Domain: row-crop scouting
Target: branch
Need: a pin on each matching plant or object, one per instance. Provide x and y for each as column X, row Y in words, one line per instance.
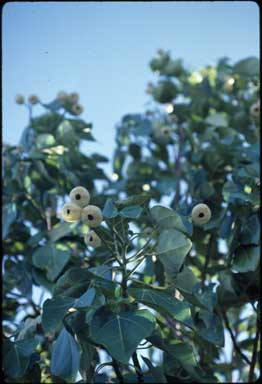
column 207, row 259
column 238, row 350
column 117, row 371
column 138, row 369
column 254, row 355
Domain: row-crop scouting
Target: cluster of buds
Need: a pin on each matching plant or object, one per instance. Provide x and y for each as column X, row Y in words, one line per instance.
column 162, row 134
column 201, row 214
column 70, row 102
column 32, row 99
column 79, row 209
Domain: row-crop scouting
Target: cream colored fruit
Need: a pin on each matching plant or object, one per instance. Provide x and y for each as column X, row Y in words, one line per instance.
column 92, row 216
column 19, row 99
column 71, row 212
column 201, row 214
column 80, row 196
column 33, row 99
column 92, row 239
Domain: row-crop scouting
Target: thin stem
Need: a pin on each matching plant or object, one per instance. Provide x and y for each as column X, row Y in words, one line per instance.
column 117, row 371
column 207, row 259
column 138, row 369
column 238, row 350
column 254, row 355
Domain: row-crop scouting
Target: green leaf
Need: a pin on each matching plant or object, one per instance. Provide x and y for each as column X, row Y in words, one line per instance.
column 8, row 217
column 65, row 357
column 205, row 296
column 185, row 281
column 45, row 140
column 217, row 120
column 251, row 231
column 167, row 218
column 209, row 327
column 110, row 209
column 60, row 230
column 172, row 248
column 52, row 258
column 247, row 67
column 246, row 259
column 54, row 311
column 17, row 356
column 183, row 353
column 86, row 299
column 131, row 212
column 163, row 302
column 76, row 281
column 121, row 333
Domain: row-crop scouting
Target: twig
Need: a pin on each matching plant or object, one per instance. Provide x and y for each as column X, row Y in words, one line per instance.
column 254, row 355
column 117, row 371
column 138, row 369
column 207, row 259
column 238, row 350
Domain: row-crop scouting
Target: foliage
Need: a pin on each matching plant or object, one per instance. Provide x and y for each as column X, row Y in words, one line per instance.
column 157, row 283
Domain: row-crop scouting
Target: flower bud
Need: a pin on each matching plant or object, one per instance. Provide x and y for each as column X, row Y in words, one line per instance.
column 92, row 216
column 33, row 99
column 77, row 109
column 74, row 97
column 19, row 99
column 162, row 135
column 80, row 196
column 92, row 239
column 71, row 212
column 201, row 214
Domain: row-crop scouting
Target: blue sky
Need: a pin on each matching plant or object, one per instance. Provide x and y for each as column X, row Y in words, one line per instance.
column 102, row 50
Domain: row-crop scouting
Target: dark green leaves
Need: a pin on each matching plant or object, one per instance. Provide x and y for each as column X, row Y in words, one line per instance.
column 53, row 312
column 121, row 333
column 167, row 218
column 163, row 302
column 52, row 258
column 210, row 327
column 65, row 357
column 131, row 212
column 248, row 67
column 246, row 259
column 8, row 217
column 17, row 356
column 110, row 210
column 172, row 248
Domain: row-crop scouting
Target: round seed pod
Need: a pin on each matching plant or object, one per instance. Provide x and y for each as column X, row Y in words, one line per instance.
column 162, row 135
column 19, row 99
column 255, row 109
column 33, row 99
column 80, row 196
column 71, row 212
column 77, row 109
column 92, row 239
column 74, row 97
column 201, row 214
column 92, row 216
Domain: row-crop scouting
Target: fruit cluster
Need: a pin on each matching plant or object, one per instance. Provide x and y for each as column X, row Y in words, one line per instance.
column 79, row 209
column 70, row 102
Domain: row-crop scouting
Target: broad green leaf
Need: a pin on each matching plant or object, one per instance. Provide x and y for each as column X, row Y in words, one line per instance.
column 45, row 140
column 121, row 333
column 65, row 357
column 172, row 248
column 8, row 217
column 17, row 356
column 247, row 67
column 110, row 210
column 131, row 212
column 76, row 281
column 205, row 296
column 28, row 328
column 185, row 280
column 217, row 120
column 86, row 299
column 251, row 231
column 209, row 327
column 52, row 258
column 163, row 302
column 167, row 218
column 246, row 259
column 60, row 230
column 132, row 200
column 183, row 353
column 54, row 311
